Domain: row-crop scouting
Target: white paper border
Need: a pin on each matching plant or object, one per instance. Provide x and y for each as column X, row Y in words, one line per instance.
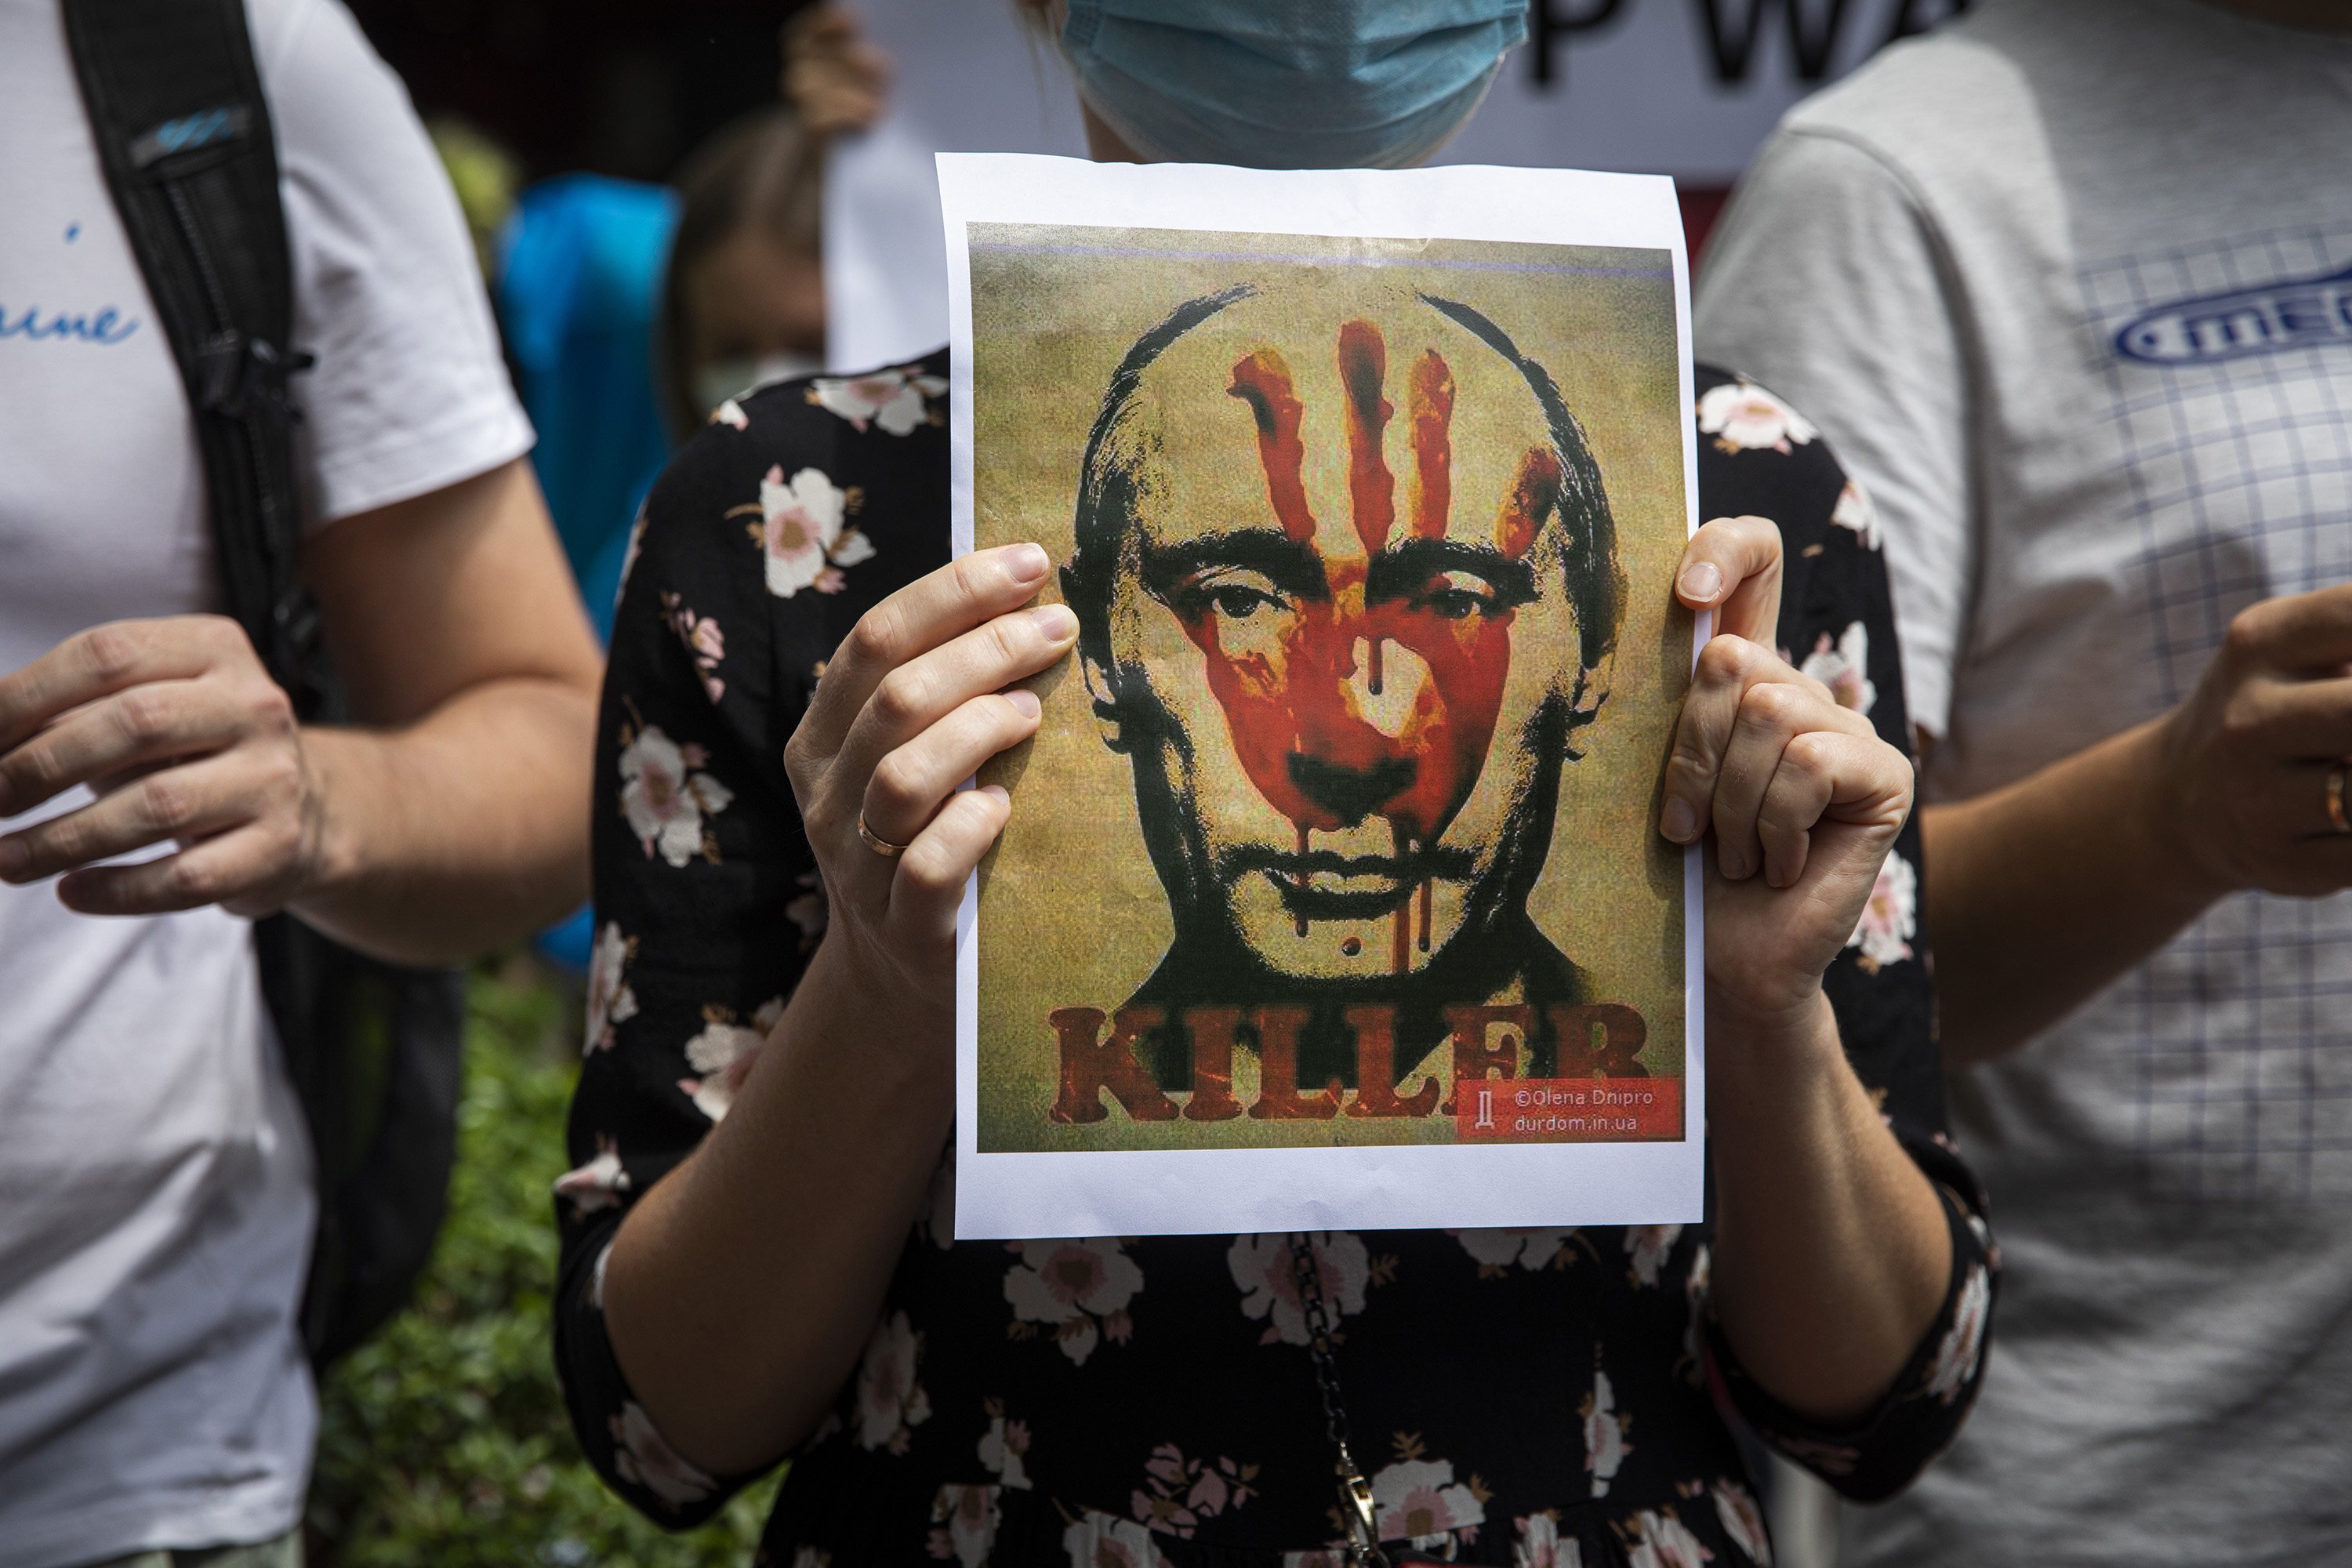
column 1384, row 1187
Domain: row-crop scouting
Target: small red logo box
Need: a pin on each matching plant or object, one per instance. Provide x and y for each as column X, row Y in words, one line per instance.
column 1568, row 1110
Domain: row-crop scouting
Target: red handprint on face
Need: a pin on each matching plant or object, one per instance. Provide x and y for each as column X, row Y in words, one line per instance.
column 1373, row 690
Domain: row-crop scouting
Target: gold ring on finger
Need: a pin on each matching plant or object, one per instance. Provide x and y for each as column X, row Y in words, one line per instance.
column 889, row 851
column 2336, row 797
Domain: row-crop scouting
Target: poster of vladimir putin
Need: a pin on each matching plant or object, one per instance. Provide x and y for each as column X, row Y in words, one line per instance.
column 1336, row 836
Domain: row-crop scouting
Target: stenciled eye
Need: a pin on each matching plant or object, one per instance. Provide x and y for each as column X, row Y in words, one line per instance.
column 1232, row 591
column 1458, row 596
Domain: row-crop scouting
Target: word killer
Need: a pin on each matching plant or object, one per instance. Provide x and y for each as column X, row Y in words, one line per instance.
column 1596, row 1040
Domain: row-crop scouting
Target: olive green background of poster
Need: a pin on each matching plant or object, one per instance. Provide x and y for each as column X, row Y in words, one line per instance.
column 1071, row 912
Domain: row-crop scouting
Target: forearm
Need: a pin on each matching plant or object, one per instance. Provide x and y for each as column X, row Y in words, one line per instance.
column 778, row 1237
column 462, row 830
column 2041, row 893
column 1832, row 1254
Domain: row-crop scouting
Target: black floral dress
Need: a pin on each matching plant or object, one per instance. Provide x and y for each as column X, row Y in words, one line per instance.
column 1527, row 1396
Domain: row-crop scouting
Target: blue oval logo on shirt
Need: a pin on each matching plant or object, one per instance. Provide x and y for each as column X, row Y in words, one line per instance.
column 2269, row 317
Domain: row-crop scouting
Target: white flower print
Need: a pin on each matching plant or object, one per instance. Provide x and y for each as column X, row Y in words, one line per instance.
column 1977, row 1226
column 939, row 1219
column 644, row 1457
column 964, row 1521
column 1098, row 1541
column 1845, row 668
column 723, row 1053
column 1963, row 1342
column 1419, row 1499
column 1855, row 511
column 1664, row 1542
column 893, row 399
column 812, row 1557
column 1606, row 1447
column 665, row 797
column 1178, row 1493
column 809, row 911
column 1891, row 918
column 890, row 1403
column 1531, row 1250
column 596, row 1278
column 1743, row 1521
column 1001, row 1449
column 1648, row 1247
column 730, row 413
column 629, row 552
column 598, row 1184
column 610, row 1000
column 1540, row 1545
column 1081, row 1287
column 801, row 530
column 850, row 549
column 1262, row 1267
column 705, row 642
column 1695, row 1289
column 1743, row 416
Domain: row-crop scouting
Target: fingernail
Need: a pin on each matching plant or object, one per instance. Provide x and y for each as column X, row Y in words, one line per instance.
column 1027, row 562
column 13, row 858
column 1701, row 580
column 1678, row 821
column 1055, row 623
column 1023, row 700
column 996, row 790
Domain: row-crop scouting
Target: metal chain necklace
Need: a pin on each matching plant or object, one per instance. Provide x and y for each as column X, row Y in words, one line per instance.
column 1355, row 1492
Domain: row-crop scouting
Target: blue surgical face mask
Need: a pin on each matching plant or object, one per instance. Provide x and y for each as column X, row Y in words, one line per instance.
column 1289, row 84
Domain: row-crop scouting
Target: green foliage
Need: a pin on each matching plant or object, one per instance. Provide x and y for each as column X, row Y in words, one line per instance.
column 444, row 1440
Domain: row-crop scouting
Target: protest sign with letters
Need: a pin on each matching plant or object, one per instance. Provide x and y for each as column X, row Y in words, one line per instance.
column 1331, row 894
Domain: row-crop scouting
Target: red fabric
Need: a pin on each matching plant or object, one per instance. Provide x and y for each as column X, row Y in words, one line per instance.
column 1702, row 204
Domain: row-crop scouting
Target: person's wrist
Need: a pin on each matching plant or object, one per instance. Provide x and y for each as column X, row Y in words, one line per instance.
column 864, row 986
column 2157, row 809
column 330, row 859
column 1748, row 1035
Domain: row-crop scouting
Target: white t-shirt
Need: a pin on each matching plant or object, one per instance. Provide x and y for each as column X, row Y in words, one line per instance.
column 154, row 1204
column 2066, row 285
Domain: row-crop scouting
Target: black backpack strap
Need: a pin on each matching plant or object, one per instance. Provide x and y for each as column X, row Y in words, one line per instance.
column 183, row 131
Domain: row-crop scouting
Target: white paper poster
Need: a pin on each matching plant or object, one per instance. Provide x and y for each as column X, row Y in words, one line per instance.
column 1331, row 896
